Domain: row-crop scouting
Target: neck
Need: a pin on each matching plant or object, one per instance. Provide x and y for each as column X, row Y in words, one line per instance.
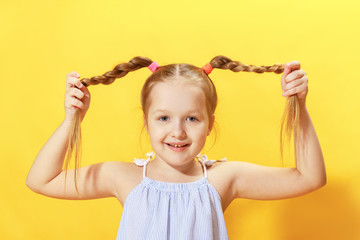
column 188, row 169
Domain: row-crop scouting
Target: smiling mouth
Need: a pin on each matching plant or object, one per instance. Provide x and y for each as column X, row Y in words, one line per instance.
column 176, row 145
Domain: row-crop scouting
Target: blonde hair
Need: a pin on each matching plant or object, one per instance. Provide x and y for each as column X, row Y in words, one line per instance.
column 189, row 73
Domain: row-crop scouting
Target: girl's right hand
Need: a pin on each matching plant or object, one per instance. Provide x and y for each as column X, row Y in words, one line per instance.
column 77, row 96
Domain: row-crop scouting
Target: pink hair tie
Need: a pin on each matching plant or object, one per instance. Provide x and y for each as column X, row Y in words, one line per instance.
column 207, row 68
column 153, row 66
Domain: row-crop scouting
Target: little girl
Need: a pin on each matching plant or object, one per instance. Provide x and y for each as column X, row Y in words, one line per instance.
column 176, row 193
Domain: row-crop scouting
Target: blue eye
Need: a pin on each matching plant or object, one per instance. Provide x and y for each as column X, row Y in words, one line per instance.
column 192, row 119
column 164, row 118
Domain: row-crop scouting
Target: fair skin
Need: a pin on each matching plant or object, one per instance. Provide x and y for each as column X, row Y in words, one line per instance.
column 231, row 179
column 177, row 115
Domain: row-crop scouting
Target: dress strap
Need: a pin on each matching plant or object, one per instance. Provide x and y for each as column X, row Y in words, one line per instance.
column 144, row 170
column 143, row 162
column 204, row 166
column 206, row 162
column 203, row 159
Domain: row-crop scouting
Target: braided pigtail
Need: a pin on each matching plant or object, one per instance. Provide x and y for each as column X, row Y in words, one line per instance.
column 223, row 62
column 120, row 70
column 291, row 112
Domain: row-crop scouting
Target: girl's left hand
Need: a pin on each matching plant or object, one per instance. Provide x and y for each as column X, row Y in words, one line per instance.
column 294, row 81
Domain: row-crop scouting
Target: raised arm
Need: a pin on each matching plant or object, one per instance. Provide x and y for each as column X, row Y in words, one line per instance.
column 46, row 175
column 267, row 183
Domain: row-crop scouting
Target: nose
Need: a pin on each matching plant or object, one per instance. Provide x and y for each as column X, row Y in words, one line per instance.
column 178, row 130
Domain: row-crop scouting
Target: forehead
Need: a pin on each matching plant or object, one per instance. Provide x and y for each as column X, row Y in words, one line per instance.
column 177, row 97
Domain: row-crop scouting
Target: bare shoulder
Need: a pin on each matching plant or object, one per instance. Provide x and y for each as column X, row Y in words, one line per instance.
column 221, row 177
column 222, row 171
column 229, row 170
column 127, row 176
column 128, row 172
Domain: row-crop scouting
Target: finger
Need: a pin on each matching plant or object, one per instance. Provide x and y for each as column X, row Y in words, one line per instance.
column 295, row 90
column 295, row 74
column 85, row 90
column 73, row 82
column 74, row 92
column 75, row 103
column 287, row 70
column 294, row 65
column 73, row 74
column 293, row 84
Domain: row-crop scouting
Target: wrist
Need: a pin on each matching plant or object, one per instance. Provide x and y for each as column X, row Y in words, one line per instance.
column 67, row 121
column 302, row 102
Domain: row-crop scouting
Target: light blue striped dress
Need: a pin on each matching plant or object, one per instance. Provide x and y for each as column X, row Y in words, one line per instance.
column 156, row 210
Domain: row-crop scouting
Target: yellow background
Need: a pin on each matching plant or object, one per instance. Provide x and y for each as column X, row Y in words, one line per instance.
column 42, row 41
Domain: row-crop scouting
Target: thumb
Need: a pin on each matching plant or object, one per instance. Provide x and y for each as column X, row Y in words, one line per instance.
column 287, row 71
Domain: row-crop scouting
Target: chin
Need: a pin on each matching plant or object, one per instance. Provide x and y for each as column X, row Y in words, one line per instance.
column 176, row 155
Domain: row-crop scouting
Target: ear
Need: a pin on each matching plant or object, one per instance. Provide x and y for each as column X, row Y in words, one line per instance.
column 211, row 124
column 145, row 123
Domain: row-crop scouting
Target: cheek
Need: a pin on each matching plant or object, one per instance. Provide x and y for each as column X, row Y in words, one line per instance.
column 200, row 133
column 156, row 133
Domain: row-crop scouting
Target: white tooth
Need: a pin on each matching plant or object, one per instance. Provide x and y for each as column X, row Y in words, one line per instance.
column 175, row 145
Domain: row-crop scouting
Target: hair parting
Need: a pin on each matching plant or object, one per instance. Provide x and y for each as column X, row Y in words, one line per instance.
column 191, row 74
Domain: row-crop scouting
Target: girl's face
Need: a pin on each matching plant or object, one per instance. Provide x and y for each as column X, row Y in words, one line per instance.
column 177, row 122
